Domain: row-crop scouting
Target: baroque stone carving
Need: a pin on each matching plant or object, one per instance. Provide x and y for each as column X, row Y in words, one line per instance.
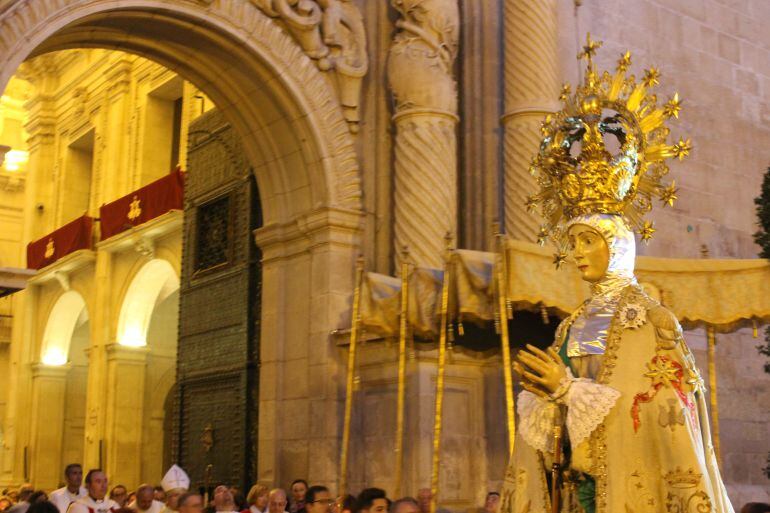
column 331, row 32
column 420, row 73
column 531, row 74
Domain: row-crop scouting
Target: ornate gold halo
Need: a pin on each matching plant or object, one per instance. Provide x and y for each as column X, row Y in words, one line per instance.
column 579, row 174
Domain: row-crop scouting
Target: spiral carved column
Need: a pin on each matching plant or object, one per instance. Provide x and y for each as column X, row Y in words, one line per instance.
column 531, row 74
column 420, row 76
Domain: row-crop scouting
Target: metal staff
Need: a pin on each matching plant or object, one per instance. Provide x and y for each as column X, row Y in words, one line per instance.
column 402, row 334
column 557, row 463
column 505, row 346
column 351, row 371
column 440, row 384
column 712, row 345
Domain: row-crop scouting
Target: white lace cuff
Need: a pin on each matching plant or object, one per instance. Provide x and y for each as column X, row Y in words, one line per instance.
column 588, row 403
column 536, row 417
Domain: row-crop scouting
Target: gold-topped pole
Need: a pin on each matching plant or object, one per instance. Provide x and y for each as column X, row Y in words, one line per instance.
column 712, row 344
column 351, row 372
column 442, row 342
column 504, row 342
column 402, row 334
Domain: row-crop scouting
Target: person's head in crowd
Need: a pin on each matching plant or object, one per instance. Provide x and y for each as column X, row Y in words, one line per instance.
column 492, row 502
column 298, row 490
column 131, row 498
column 756, row 507
column 145, row 494
column 276, row 500
column 13, row 496
column 96, row 483
column 73, row 477
column 372, row 500
column 240, row 499
column 318, row 500
column 346, row 504
column 190, row 502
column 119, row 494
column 38, row 496
column 223, row 498
column 25, row 491
column 257, row 497
column 172, row 498
column 424, row 496
column 42, row 506
column 405, row 505
column 160, row 494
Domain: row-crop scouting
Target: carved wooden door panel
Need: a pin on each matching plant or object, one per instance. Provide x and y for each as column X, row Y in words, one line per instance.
column 215, row 433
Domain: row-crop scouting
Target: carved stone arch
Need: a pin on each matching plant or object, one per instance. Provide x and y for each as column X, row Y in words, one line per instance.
column 278, row 100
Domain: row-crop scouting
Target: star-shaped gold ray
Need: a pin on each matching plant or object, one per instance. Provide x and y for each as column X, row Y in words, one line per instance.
column 661, row 372
column 542, row 236
column 647, row 231
column 566, row 89
column 672, row 108
column 682, row 148
column 624, row 62
column 651, row 77
column 559, row 259
column 531, row 203
column 668, row 194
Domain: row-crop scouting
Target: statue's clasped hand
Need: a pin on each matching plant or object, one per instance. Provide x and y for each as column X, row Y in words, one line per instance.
column 543, row 372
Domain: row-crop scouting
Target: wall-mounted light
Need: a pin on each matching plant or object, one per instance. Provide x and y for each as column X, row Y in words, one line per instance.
column 16, row 159
column 54, row 357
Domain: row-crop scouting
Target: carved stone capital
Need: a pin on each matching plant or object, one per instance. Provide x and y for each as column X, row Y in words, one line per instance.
column 331, row 32
column 422, row 55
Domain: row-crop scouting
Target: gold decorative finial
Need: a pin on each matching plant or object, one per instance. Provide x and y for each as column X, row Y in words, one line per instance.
column 589, row 50
column 595, row 179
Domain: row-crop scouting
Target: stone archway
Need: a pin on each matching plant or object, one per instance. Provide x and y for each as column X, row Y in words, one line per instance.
column 58, row 390
column 294, row 128
column 285, row 110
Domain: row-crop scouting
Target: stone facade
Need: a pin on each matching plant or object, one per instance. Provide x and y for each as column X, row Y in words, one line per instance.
column 369, row 126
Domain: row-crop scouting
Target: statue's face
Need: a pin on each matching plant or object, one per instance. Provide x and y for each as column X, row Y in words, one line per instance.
column 590, row 252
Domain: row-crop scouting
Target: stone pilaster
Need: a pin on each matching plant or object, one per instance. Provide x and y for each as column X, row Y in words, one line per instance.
column 93, row 454
column 125, row 413
column 49, row 386
column 531, row 74
column 425, row 92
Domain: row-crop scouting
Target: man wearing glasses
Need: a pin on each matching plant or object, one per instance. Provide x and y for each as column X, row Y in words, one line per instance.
column 318, row 499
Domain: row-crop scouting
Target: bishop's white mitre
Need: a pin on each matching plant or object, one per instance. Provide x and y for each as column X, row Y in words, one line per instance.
column 175, row 478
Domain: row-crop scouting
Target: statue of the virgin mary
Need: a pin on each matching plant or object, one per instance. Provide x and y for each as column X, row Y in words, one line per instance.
column 619, row 383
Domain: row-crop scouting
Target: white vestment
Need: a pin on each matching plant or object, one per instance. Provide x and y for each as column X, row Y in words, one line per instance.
column 62, row 497
column 88, row 504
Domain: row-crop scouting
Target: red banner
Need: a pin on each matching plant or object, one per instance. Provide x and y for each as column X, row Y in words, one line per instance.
column 143, row 204
column 67, row 239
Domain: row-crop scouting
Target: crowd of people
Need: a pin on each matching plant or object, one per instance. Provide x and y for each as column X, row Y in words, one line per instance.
column 174, row 496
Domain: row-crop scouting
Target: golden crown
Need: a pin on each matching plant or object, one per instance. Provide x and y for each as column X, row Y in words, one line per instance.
column 578, row 170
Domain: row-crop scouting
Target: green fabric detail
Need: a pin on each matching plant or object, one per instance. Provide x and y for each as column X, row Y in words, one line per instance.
column 563, row 353
column 586, row 493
